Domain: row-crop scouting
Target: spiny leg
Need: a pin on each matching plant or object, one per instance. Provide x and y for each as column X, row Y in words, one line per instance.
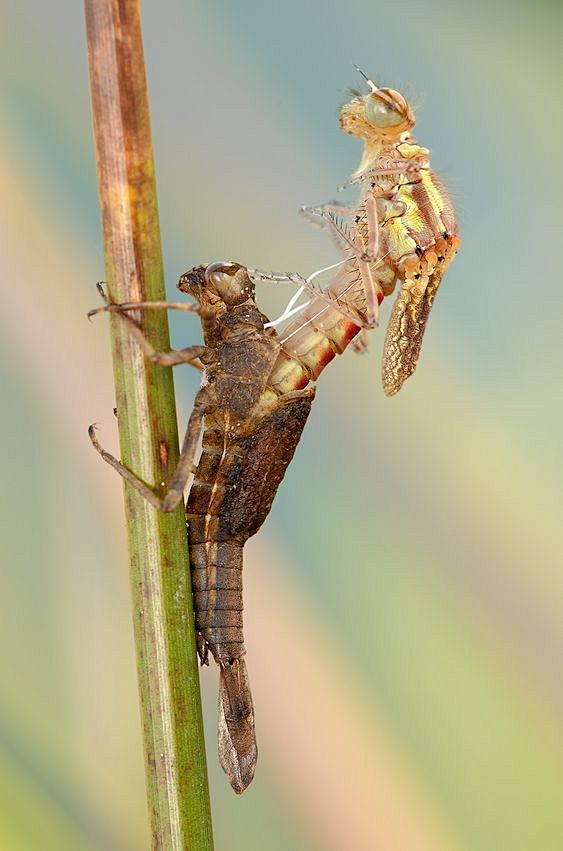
column 311, row 213
column 372, row 303
column 114, row 307
column 365, row 256
column 372, row 246
column 367, row 253
column 316, row 216
column 174, row 494
column 392, row 168
column 360, row 343
column 190, row 354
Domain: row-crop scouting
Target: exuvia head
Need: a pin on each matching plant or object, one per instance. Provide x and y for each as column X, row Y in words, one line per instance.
column 193, row 281
column 382, row 114
column 222, row 280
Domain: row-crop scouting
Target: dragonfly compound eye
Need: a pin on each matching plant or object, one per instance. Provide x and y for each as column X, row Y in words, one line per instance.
column 381, row 111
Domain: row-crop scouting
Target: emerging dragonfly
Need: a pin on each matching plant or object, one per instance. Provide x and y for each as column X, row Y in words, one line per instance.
column 254, row 400
column 253, row 404
column 402, row 229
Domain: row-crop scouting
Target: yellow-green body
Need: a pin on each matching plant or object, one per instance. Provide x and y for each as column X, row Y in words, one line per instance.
column 417, row 239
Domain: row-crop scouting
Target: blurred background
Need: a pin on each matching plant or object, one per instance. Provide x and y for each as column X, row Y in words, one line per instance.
column 404, row 601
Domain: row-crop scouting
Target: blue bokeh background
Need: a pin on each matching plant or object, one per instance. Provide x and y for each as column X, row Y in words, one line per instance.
column 405, row 598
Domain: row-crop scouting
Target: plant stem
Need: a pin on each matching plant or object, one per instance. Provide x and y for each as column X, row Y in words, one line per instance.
column 178, row 794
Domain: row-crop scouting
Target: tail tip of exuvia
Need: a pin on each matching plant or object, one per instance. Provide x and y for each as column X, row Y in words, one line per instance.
column 236, row 739
column 241, row 779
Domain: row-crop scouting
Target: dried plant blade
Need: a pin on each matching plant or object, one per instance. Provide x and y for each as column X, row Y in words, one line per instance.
column 178, row 795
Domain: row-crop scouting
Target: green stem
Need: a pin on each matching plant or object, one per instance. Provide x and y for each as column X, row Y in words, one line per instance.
column 178, row 794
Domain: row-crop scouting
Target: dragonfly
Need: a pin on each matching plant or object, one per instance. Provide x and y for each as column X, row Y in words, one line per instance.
column 402, row 229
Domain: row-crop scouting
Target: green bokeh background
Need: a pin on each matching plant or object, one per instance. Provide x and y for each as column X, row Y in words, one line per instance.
column 405, row 598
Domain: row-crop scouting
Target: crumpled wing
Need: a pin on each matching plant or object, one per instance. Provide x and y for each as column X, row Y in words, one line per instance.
column 406, row 327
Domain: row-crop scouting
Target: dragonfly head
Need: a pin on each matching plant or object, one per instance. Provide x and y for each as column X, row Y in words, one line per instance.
column 382, row 115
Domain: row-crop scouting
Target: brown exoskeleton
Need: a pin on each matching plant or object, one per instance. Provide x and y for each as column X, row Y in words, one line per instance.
column 250, row 432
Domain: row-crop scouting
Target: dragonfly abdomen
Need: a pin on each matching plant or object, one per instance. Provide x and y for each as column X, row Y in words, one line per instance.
column 310, row 343
column 216, row 570
column 215, row 555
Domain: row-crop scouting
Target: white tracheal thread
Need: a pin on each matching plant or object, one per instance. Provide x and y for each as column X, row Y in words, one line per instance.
column 288, row 312
column 327, row 306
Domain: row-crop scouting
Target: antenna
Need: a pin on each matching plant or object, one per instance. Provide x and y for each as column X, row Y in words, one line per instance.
column 370, row 83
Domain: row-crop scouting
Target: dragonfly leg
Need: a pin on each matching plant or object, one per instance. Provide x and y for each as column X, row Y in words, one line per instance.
column 126, row 306
column 370, row 252
column 365, row 256
column 390, row 168
column 360, row 343
column 316, row 215
column 184, row 468
column 319, row 216
column 305, row 393
column 366, row 252
column 370, row 289
column 113, row 307
column 275, row 277
column 190, row 354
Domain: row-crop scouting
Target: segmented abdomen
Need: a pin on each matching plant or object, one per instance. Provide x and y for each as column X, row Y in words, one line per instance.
column 234, row 487
column 215, row 556
column 310, row 343
column 216, row 570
